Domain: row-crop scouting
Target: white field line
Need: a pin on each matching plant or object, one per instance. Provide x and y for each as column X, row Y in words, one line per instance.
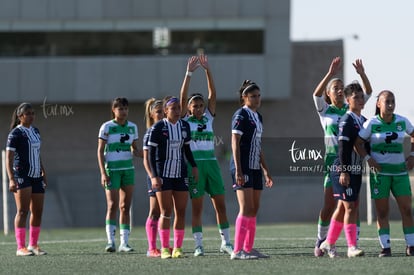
column 191, row 239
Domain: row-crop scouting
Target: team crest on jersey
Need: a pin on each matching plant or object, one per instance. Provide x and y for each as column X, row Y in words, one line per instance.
column 399, row 127
column 184, row 133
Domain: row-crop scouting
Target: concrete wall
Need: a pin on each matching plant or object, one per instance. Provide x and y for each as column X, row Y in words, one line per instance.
column 96, row 79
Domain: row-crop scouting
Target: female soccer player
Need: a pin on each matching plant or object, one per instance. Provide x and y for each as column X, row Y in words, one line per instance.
column 247, row 164
column 329, row 102
column 210, row 180
column 27, row 178
column 385, row 133
column 117, row 144
column 153, row 113
column 169, row 142
column 346, row 176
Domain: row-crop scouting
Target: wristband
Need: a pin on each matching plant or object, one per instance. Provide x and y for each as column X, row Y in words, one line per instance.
column 367, row 157
column 188, row 73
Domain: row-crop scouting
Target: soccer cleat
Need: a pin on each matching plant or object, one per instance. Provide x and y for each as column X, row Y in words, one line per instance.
column 329, row 249
column 409, row 251
column 24, row 252
column 226, row 248
column 255, row 252
column 110, row 247
column 242, row 255
column 354, row 251
column 318, row 252
column 177, row 253
column 165, row 253
column 36, row 250
column 199, row 251
column 125, row 248
column 385, row 252
column 154, row 253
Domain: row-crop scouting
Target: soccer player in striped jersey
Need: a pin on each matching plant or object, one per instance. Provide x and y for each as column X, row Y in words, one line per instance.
column 210, row 180
column 117, row 144
column 330, row 105
column 346, row 176
column 169, row 146
column 386, row 132
column 153, row 113
column 248, row 168
column 27, row 178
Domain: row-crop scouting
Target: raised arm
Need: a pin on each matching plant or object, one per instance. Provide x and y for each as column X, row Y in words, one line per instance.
column 192, row 65
column 211, row 88
column 333, row 70
column 361, row 71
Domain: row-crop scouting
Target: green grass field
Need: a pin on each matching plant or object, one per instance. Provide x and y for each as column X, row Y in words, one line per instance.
column 81, row 251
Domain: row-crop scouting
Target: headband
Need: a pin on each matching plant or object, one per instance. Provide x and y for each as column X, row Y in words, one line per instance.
column 154, row 104
column 171, row 101
column 195, row 97
column 248, row 88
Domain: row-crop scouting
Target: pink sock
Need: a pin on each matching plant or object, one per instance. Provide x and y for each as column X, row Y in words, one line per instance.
column 20, row 233
column 251, row 233
column 351, row 234
column 240, row 229
column 178, row 238
column 151, row 227
column 335, row 229
column 34, row 233
column 164, row 237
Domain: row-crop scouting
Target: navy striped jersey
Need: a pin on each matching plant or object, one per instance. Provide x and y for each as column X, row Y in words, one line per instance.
column 349, row 127
column 169, row 139
column 249, row 125
column 25, row 143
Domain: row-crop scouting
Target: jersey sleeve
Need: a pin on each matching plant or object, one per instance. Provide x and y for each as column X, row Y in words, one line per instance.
column 11, row 144
column 409, row 129
column 320, row 104
column 136, row 135
column 365, row 131
column 103, row 132
column 187, row 138
column 237, row 122
column 145, row 145
column 154, row 136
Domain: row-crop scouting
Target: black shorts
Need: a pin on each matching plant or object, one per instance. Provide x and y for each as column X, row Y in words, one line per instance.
column 37, row 184
column 253, row 179
column 175, row 184
column 350, row 193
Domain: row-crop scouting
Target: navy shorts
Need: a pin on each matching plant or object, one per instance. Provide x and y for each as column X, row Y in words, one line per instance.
column 175, row 184
column 350, row 193
column 151, row 192
column 37, row 184
column 253, row 179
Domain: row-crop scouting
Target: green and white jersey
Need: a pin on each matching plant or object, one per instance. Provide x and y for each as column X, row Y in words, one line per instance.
column 202, row 136
column 329, row 116
column 387, row 142
column 119, row 139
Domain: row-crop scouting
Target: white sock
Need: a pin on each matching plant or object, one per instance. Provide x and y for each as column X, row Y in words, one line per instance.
column 384, row 240
column 198, row 238
column 322, row 231
column 124, row 236
column 110, row 232
column 225, row 235
column 409, row 239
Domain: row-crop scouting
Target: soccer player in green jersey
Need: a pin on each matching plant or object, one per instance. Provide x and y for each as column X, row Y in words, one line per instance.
column 330, row 105
column 200, row 118
column 386, row 133
column 117, row 144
